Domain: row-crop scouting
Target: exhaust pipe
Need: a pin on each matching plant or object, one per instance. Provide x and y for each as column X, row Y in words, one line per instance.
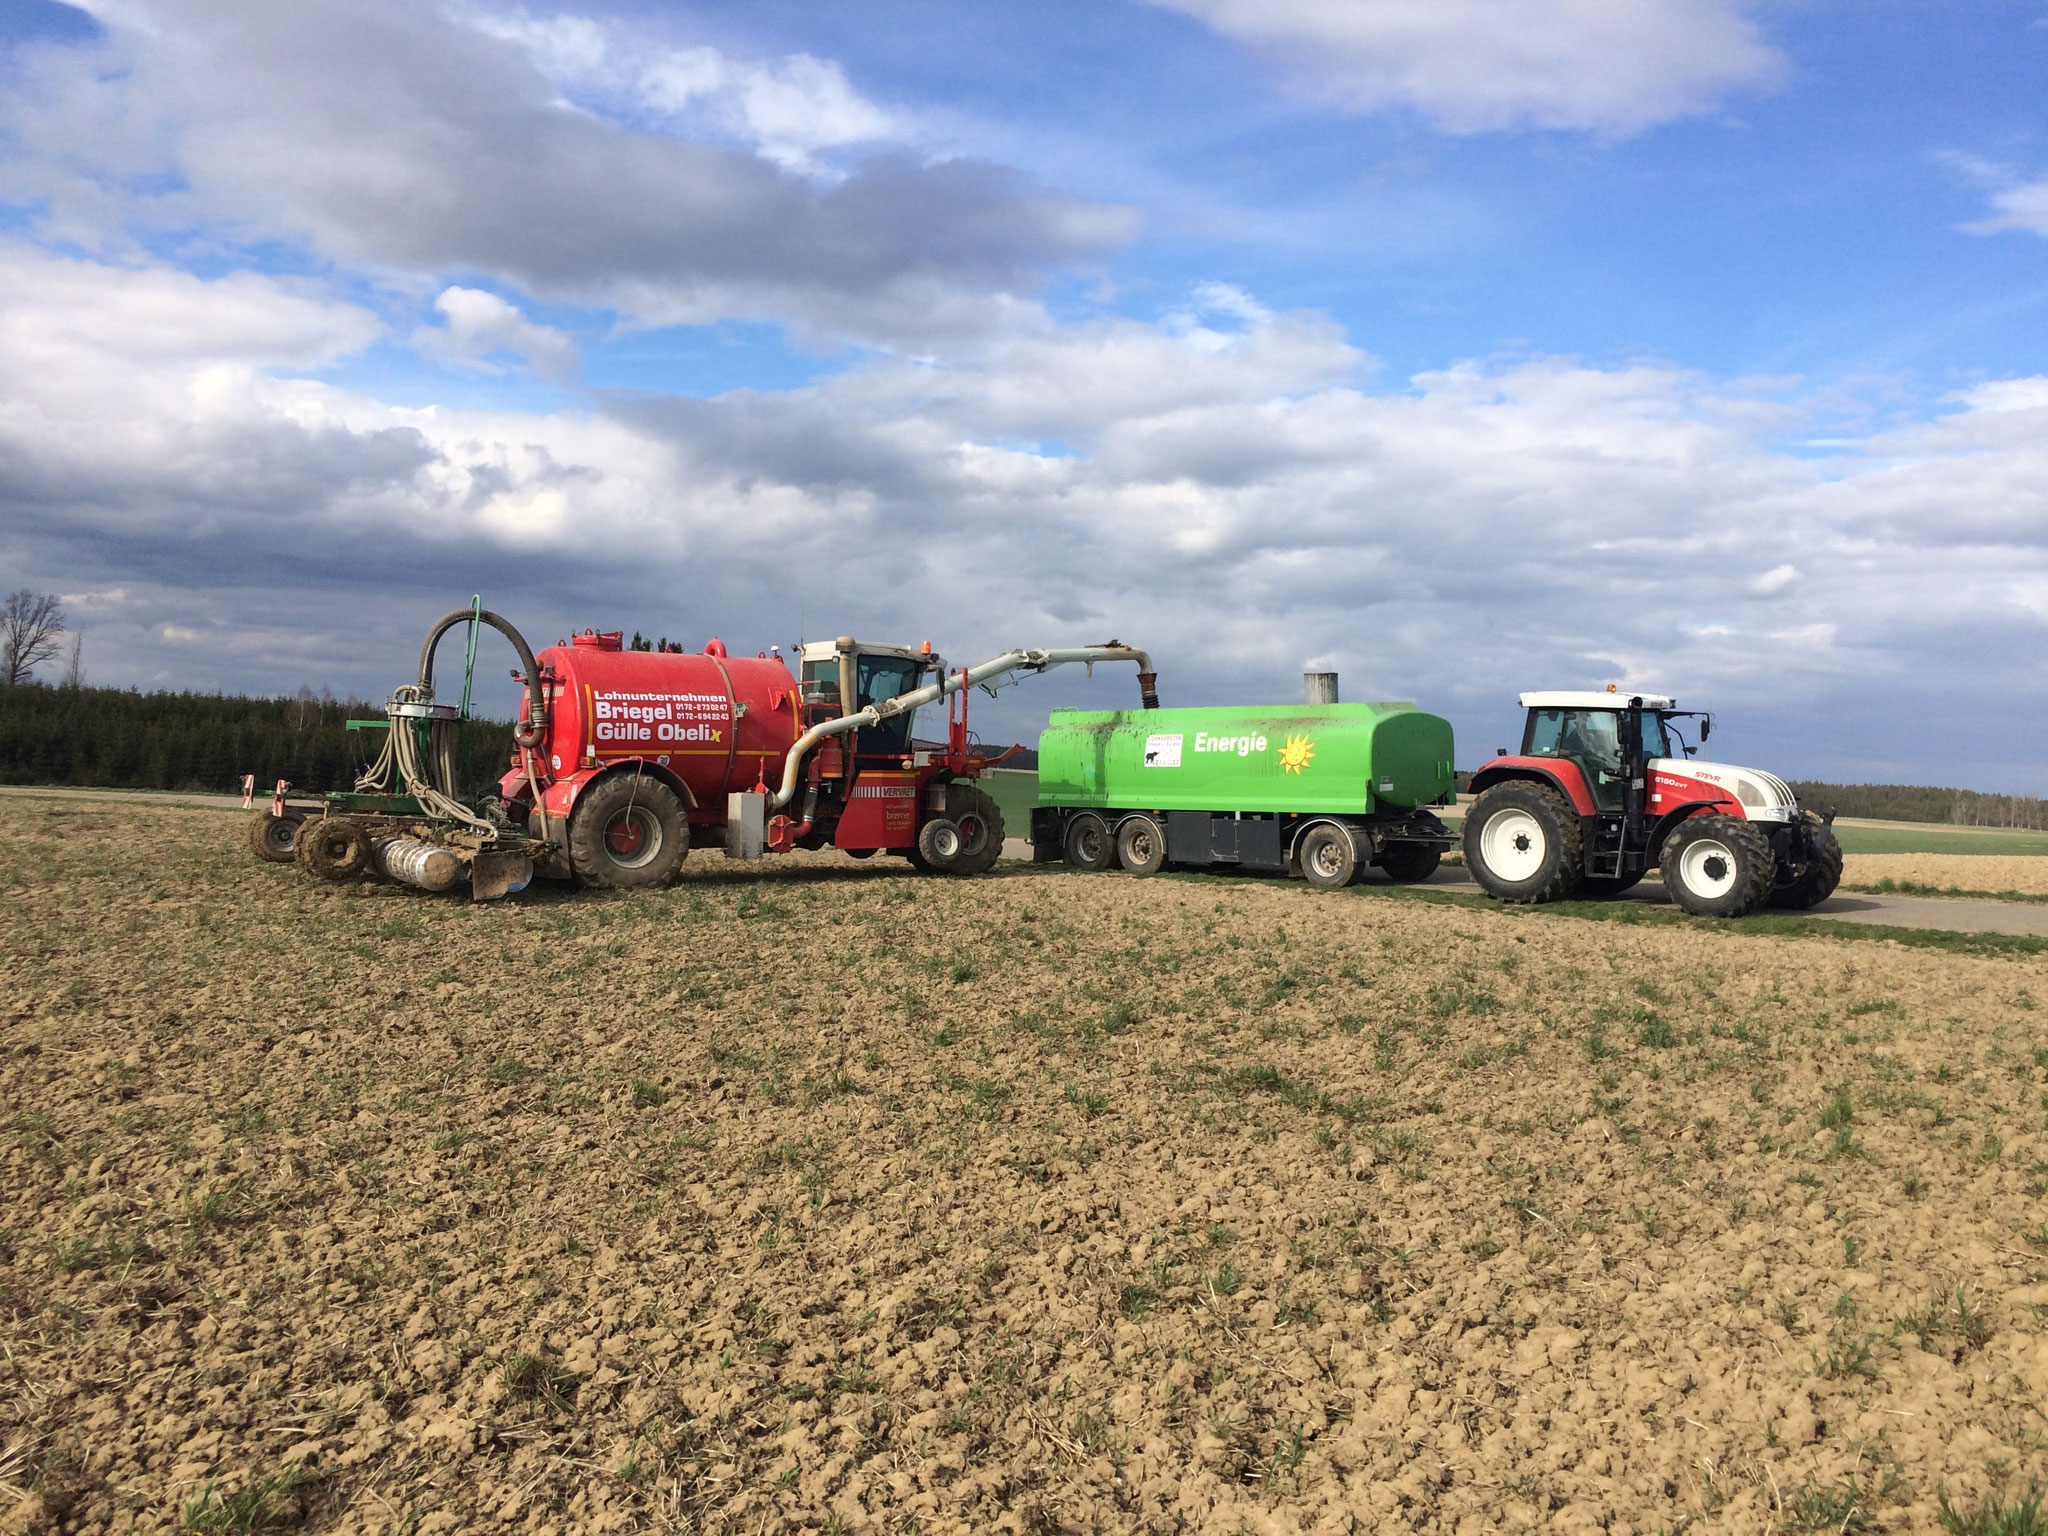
column 1318, row 687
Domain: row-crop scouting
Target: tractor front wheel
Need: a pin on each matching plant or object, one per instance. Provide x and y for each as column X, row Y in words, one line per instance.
column 1718, row 866
column 1088, row 844
column 1811, row 881
column 1522, row 843
column 628, row 832
column 1141, row 846
column 271, row 838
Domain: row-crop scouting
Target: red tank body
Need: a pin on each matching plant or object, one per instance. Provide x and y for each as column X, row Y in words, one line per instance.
column 712, row 723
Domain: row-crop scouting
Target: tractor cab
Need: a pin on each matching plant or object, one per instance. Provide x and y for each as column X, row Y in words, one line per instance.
column 1589, row 730
column 847, row 674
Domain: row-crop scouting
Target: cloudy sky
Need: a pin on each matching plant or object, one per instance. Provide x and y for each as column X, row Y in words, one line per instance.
column 1458, row 346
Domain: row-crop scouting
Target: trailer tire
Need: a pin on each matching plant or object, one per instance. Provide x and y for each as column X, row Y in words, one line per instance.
column 272, row 838
column 1798, row 886
column 628, row 832
column 1410, row 865
column 334, row 848
column 1141, row 846
column 1523, row 843
column 1718, row 866
column 1329, row 861
column 980, row 821
column 1088, row 844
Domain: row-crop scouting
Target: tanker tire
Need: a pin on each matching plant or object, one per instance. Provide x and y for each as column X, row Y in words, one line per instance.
column 940, row 847
column 628, row 832
column 1535, row 838
column 1798, row 887
column 1718, row 866
column 1141, row 846
column 334, row 848
column 981, row 827
column 1605, row 887
column 1410, row 866
column 1088, row 844
column 272, row 838
column 1329, row 862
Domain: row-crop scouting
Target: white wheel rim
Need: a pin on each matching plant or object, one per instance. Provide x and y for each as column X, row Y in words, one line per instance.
column 1707, row 867
column 1327, row 858
column 1142, row 846
column 946, row 843
column 1514, row 845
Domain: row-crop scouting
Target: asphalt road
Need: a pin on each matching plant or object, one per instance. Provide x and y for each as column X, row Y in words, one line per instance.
column 1953, row 914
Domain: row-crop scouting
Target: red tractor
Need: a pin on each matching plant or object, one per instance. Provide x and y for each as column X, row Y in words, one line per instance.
column 1604, row 789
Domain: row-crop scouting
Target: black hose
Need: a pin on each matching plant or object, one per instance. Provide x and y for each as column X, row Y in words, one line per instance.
column 536, row 699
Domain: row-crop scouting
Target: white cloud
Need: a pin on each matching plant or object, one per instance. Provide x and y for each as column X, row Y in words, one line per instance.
column 401, row 140
column 1774, row 581
column 1612, row 67
column 1238, row 509
column 481, row 326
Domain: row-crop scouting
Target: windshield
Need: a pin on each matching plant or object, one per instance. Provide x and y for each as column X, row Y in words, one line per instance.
column 1593, row 735
column 1655, row 743
column 879, row 678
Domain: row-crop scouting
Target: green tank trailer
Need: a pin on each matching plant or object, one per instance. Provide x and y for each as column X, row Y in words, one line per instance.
column 1325, row 790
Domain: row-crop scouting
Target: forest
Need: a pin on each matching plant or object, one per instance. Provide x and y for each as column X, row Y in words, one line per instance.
column 111, row 738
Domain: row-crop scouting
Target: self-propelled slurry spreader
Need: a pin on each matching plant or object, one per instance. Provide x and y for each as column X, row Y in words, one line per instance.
column 625, row 759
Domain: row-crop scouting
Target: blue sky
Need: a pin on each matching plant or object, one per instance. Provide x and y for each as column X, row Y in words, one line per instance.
column 1462, row 346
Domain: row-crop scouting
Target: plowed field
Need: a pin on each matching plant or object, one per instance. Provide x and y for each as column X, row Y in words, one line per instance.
column 815, row 1195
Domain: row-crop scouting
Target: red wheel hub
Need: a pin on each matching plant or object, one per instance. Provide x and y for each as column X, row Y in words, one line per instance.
column 625, row 836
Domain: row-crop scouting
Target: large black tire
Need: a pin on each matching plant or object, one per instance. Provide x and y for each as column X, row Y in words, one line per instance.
column 272, row 838
column 980, row 821
column 1523, row 843
column 628, row 832
column 1329, row 859
column 1605, row 887
column 1088, row 844
column 1141, row 846
column 334, row 848
column 1718, row 866
column 1409, row 864
column 1811, row 881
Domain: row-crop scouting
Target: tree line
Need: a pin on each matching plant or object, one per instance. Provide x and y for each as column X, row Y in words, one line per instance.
column 1922, row 802
column 111, row 738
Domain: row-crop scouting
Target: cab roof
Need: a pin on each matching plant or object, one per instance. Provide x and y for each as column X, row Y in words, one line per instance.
column 1588, row 699
column 828, row 650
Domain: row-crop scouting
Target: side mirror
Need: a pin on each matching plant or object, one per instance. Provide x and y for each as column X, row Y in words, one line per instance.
column 1706, row 726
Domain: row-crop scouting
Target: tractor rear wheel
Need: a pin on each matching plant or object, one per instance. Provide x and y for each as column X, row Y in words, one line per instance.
column 1141, row 846
column 334, row 848
column 628, row 832
column 1523, row 842
column 1406, row 864
column 1329, row 859
column 980, row 821
column 1812, row 881
column 1088, row 844
column 1718, row 866
column 271, row 837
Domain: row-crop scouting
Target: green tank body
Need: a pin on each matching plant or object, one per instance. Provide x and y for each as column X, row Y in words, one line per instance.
column 1291, row 760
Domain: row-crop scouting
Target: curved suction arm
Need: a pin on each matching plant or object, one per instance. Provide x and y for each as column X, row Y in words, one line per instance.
column 903, row 703
column 535, row 729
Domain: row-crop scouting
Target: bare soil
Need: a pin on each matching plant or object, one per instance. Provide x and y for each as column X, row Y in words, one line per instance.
column 816, row 1195
column 1992, row 874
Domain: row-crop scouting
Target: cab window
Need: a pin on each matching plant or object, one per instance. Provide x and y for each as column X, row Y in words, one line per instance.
column 1654, row 742
column 879, row 678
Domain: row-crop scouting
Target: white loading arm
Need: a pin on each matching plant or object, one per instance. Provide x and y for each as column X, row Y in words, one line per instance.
column 931, row 693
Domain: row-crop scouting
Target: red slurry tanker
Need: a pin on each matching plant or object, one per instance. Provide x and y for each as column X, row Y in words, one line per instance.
column 626, row 759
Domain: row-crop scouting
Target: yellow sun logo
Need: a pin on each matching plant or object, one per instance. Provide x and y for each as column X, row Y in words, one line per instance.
column 1294, row 756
